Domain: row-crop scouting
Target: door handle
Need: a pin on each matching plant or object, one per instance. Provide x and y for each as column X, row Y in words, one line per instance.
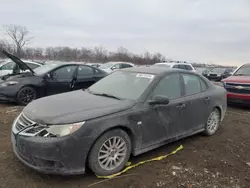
column 207, row 99
column 182, row 105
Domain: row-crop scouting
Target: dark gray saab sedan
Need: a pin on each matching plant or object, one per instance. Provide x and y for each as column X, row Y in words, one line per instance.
column 131, row 111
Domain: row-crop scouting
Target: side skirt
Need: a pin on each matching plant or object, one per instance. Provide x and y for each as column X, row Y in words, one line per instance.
column 154, row 146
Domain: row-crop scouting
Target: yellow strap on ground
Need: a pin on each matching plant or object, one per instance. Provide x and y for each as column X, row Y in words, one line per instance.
column 129, row 165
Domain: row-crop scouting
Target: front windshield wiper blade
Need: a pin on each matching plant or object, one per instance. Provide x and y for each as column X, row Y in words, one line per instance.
column 106, row 95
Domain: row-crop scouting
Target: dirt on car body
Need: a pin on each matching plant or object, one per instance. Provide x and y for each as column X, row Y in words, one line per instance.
column 222, row 160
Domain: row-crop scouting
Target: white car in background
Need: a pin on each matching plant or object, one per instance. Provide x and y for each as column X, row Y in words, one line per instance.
column 7, row 67
column 185, row 66
column 112, row 66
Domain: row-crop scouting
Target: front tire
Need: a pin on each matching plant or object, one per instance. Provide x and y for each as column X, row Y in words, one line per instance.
column 213, row 122
column 110, row 153
column 26, row 95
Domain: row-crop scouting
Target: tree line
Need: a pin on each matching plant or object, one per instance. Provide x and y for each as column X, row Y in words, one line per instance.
column 17, row 38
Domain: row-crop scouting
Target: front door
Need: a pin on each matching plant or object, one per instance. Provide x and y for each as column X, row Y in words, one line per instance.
column 163, row 122
column 60, row 80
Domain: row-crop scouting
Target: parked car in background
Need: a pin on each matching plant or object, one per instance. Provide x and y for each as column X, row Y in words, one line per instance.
column 52, row 78
column 219, row 73
column 8, row 67
column 131, row 111
column 238, row 85
column 112, row 66
column 184, row 66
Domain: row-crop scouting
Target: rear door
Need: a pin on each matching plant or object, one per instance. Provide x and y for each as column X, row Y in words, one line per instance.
column 197, row 101
column 86, row 76
column 60, row 80
column 163, row 122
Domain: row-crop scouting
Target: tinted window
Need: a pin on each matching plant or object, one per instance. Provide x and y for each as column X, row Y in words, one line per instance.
column 8, row 66
column 84, row 70
column 126, row 65
column 182, row 67
column 169, row 86
column 32, row 65
column 65, row 72
column 176, row 66
column 188, row 67
column 192, row 84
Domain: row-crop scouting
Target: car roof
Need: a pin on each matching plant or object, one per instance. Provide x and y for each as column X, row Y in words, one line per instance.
column 173, row 63
column 154, row 70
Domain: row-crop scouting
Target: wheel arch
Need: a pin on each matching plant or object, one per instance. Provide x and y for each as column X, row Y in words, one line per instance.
column 122, row 127
column 219, row 108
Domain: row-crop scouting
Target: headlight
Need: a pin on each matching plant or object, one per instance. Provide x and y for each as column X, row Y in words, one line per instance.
column 60, row 130
column 9, row 83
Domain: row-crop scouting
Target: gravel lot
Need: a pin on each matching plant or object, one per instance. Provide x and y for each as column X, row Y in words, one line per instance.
column 222, row 160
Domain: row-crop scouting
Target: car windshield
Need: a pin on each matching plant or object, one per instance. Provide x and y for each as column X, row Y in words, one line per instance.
column 162, row 65
column 243, row 71
column 106, row 65
column 123, row 85
column 45, row 68
column 218, row 70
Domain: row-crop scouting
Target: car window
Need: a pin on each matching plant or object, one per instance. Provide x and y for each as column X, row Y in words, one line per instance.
column 176, row 66
column 32, row 65
column 203, row 85
column 124, row 65
column 84, row 70
column 188, row 67
column 123, row 84
column 182, row 67
column 170, row 86
column 117, row 66
column 192, row 84
column 65, row 72
column 8, row 66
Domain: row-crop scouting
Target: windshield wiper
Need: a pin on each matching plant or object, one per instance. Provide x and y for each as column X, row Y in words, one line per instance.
column 106, row 95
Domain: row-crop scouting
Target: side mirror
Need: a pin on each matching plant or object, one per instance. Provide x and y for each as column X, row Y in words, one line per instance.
column 159, row 99
column 47, row 76
column 114, row 68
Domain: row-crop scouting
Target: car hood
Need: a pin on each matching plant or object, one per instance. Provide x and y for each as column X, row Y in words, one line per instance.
column 72, row 107
column 238, row 79
column 23, row 66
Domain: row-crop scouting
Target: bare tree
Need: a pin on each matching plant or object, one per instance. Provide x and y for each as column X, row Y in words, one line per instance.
column 19, row 35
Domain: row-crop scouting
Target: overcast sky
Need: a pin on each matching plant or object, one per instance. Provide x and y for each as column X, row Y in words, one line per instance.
column 206, row 31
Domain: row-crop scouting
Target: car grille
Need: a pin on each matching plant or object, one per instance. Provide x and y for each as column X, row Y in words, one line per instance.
column 214, row 75
column 238, row 88
column 23, row 122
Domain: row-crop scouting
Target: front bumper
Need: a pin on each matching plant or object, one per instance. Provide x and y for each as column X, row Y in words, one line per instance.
column 8, row 94
column 238, row 98
column 64, row 156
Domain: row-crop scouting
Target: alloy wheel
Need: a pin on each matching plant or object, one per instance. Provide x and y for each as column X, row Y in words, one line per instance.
column 112, row 153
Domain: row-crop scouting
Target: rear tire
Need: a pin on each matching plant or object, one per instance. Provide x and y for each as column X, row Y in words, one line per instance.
column 213, row 122
column 25, row 95
column 110, row 153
